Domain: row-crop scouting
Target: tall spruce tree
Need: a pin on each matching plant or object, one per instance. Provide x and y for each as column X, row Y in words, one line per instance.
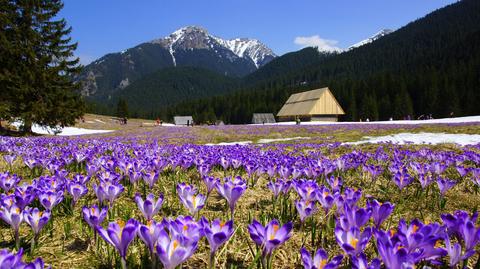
column 122, row 108
column 37, row 64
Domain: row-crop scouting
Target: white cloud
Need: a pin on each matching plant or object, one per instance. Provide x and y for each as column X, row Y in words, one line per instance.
column 316, row 41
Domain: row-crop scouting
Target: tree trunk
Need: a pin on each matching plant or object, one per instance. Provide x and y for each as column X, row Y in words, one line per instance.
column 27, row 126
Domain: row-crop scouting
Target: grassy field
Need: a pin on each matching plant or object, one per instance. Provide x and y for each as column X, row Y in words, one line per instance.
column 67, row 240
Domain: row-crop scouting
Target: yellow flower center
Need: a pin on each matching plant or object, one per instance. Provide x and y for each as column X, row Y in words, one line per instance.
column 353, row 242
column 321, row 264
column 275, row 229
column 415, row 228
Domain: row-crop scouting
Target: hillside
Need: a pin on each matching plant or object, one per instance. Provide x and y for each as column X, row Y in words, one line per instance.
column 429, row 66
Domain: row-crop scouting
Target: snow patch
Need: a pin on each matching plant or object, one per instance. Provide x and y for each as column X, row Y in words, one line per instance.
column 269, row 140
column 229, row 143
column 421, row 138
column 66, row 131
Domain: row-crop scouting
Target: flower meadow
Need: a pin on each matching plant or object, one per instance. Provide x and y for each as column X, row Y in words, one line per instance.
column 126, row 202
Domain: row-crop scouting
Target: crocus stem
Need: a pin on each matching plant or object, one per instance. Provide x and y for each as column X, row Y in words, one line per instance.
column 212, row 260
column 17, row 240
column 124, row 263
column 32, row 245
column 154, row 260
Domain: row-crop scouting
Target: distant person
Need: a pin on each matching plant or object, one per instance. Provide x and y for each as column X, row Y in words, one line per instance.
column 158, row 121
column 297, row 120
column 125, row 120
column 367, row 120
column 161, row 122
column 391, row 119
column 188, row 122
column 452, row 114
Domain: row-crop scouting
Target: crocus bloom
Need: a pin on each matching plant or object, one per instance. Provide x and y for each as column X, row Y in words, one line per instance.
column 50, row 199
column 149, row 233
column 325, row 198
column 306, row 189
column 9, row 259
column 353, row 216
column 36, row 219
column 271, row 236
column 190, row 199
column 149, row 207
column 107, row 190
column 94, row 216
column 150, row 178
column 12, row 216
column 174, row 249
column 217, row 233
column 360, row 262
column 232, row 191
column 455, row 253
column 394, row 256
column 120, row 234
column 185, row 226
column 380, row 211
column 352, row 241
column 77, row 190
column 320, row 260
column 210, row 183
column 445, row 184
column 402, row 179
column 8, row 181
column 279, row 187
column 305, row 209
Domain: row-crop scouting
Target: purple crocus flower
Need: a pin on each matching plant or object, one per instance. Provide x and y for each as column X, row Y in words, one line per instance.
column 279, row 187
column 402, row 179
column 9, row 259
column 107, row 190
column 94, row 216
column 325, row 198
column 455, row 253
column 271, row 236
column 190, row 199
column 174, row 249
column 305, row 209
column 120, row 234
column 8, row 181
column 36, row 219
column 393, row 255
column 306, row 189
column 185, row 226
column 150, row 233
column 150, row 177
column 149, row 207
column 380, row 211
column 14, row 217
column 50, row 199
column 24, row 195
column 232, row 190
column 77, row 190
column 320, row 260
column 217, row 233
column 335, row 182
column 445, row 184
column 9, row 158
column 210, row 183
column 360, row 262
column 352, row 241
column 353, row 216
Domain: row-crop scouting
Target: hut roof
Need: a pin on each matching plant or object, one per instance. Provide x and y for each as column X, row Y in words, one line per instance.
column 314, row 102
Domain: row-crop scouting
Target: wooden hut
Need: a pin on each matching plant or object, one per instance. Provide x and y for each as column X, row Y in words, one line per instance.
column 262, row 118
column 183, row 120
column 314, row 105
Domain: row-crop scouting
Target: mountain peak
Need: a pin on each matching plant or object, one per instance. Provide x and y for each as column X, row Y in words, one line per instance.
column 196, row 37
column 376, row 36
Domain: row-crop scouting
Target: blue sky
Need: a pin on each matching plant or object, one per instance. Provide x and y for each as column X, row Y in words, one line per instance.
column 104, row 26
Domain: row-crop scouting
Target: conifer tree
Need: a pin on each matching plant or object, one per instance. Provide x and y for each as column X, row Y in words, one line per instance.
column 37, row 64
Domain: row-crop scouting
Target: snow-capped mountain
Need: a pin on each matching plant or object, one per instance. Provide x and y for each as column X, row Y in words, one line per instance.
column 376, row 36
column 190, row 46
column 194, row 37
